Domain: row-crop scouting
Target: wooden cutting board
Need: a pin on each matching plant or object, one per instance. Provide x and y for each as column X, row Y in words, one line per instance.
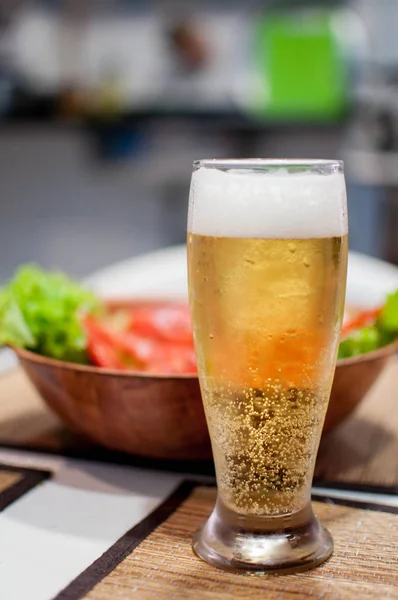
column 361, row 454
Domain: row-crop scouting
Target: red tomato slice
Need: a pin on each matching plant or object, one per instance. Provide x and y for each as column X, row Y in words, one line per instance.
column 362, row 319
column 127, row 350
column 169, row 323
column 145, row 350
column 158, row 356
column 174, row 362
column 104, row 356
column 100, row 350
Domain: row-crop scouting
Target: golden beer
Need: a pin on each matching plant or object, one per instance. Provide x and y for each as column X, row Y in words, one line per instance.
column 266, row 316
column 267, row 260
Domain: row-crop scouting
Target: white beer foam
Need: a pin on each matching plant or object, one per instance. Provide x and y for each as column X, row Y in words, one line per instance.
column 272, row 205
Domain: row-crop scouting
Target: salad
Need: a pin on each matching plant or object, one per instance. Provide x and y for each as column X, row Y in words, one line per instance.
column 370, row 329
column 52, row 315
column 49, row 313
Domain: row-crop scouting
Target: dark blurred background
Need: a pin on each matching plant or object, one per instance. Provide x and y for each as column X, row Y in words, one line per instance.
column 105, row 103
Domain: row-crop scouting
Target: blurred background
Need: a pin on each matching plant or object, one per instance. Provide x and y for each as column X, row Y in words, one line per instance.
column 105, row 103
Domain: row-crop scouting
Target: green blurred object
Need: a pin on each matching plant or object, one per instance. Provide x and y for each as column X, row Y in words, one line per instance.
column 360, row 342
column 388, row 320
column 302, row 65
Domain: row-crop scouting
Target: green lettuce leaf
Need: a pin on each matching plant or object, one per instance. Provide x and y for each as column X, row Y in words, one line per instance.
column 388, row 320
column 42, row 311
column 383, row 332
column 361, row 341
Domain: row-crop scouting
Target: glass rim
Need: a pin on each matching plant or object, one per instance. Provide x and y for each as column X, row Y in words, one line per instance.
column 253, row 164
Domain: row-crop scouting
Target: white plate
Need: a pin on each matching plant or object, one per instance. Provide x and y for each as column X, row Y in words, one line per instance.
column 163, row 274
column 158, row 274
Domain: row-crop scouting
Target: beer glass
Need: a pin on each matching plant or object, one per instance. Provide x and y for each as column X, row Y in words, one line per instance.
column 267, row 261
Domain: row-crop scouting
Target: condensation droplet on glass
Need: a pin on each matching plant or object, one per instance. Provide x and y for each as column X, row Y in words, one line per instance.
column 292, row 248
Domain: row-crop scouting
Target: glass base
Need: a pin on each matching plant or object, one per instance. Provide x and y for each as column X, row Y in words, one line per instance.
column 273, row 545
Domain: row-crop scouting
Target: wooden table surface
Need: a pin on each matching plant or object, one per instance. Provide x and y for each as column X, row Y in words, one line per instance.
column 154, row 560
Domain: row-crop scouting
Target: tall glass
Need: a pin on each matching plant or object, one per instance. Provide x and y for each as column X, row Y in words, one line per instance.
column 267, row 261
